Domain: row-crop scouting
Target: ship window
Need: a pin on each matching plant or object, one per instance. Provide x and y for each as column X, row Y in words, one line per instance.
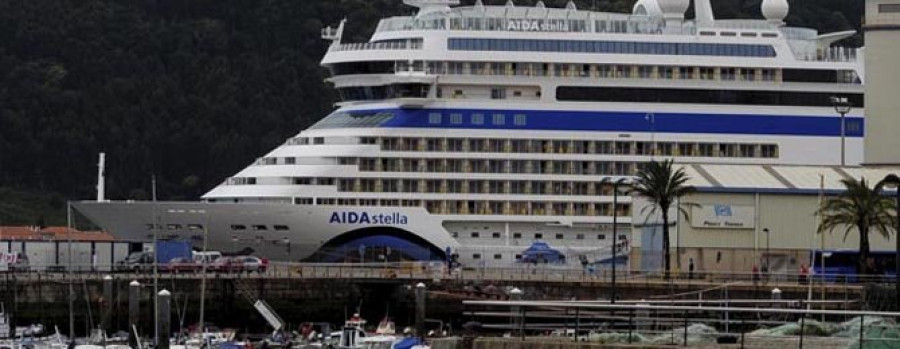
column 888, row 8
column 238, row 227
column 434, row 118
column 579, row 237
column 318, row 140
column 601, row 236
column 290, row 161
column 495, row 235
column 498, row 93
column 281, row 227
column 517, row 235
column 769, row 35
column 454, row 234
column 476, row 234
column 538, row 236
column 260, row 227
column 477, row 119
column 173, row 226
column 456, row 119
column 476, row 256
column 559, row 236
column 353, row 119
column 498, row 256
column 520, row 119
column 195, row 226
column 499, row 119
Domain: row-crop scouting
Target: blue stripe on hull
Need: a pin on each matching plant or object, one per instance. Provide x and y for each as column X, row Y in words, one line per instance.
column 786, row 125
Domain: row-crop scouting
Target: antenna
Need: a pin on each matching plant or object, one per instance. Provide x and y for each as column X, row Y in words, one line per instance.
column 101, row 178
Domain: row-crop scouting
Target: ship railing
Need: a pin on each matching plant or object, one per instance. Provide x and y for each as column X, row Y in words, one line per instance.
column 390, row 45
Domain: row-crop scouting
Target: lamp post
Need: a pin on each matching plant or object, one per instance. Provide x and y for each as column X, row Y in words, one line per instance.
column 768, row 254
column 842, row 106
column 893, row 181
column 615, row 233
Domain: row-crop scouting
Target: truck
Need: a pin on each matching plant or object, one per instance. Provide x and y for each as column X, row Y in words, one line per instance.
column 165, row 251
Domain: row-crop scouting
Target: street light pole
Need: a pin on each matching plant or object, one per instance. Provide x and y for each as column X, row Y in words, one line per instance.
column 768, row 251
column 894, row 181
column 842, row 106
column 615, row 234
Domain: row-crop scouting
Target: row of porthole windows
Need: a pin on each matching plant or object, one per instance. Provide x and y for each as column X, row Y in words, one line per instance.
column 259, row 227
column 536, row 236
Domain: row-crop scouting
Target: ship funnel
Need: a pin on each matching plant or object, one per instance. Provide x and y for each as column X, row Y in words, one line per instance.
column 101, row 178
column 704, row 11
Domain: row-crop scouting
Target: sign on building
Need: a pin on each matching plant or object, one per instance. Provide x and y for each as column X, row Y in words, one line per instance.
column 722, row 216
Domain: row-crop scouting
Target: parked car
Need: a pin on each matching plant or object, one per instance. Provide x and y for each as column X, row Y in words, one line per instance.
column 182, row 265
column 136, row 262
column 240, row 264
column 251, row 264
column 208, row 256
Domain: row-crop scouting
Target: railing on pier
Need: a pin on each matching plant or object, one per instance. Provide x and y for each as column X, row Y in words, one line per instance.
column 775, row 324
column 438, row 270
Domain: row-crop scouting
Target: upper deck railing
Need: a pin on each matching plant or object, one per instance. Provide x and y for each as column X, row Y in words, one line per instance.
column 388, row 45
column 585, row 24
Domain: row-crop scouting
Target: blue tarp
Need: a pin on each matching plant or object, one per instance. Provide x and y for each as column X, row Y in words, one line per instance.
column 541, row 252
column 167, row 250
column 406, row 343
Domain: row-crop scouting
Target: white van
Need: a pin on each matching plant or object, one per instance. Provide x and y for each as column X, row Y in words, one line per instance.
column 207, row 257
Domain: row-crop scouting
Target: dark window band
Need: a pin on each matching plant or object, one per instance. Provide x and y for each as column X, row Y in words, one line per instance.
column 613, row 47
column 698, row 96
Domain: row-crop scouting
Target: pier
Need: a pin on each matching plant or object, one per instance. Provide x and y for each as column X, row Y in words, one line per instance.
column 306, row 292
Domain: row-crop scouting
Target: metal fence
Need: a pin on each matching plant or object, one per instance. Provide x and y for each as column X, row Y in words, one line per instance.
column 778, row 323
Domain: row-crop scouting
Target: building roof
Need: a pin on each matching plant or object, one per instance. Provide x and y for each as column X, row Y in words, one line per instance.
column 779, row 178
column 20, row 233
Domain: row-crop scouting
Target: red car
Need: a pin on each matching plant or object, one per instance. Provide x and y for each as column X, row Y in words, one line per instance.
column 182, row 265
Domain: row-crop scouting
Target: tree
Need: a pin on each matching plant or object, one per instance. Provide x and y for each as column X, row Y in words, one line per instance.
column 860, row 207
column 662, row 184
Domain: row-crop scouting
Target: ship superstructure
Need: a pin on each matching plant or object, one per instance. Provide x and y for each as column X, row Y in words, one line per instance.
column 477, row 130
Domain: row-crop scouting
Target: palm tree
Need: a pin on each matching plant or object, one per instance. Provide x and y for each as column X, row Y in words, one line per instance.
column 862, row 208
column 663, row 185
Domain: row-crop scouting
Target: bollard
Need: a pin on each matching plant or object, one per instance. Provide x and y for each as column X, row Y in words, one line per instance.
column 107, row 306
column 515, row 294
column 776, row 294
column 134, row 315
column 420, row 310
column 165, row 319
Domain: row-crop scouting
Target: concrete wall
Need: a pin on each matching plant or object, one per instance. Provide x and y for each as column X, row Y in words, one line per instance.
column 882, row 32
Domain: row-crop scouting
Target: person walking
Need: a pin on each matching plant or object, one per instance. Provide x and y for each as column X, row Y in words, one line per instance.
column 804, row 273
column 691, row 269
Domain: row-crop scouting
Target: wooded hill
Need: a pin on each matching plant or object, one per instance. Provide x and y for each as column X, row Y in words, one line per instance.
column 189, row 90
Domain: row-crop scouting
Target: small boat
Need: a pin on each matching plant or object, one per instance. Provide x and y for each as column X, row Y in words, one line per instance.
column 386, row 327
column 353, row 333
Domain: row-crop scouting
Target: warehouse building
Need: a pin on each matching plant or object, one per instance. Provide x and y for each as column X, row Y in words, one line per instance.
column 746, row 216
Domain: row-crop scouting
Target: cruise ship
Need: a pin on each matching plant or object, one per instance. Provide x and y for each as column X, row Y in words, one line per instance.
column 493, row 134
